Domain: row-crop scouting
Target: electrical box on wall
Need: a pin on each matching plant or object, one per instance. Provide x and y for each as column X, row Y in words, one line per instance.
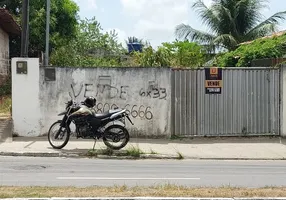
column 21, row 67
column 50, row 74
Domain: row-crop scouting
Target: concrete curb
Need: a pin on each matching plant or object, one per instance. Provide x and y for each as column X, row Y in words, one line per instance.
column 75, row 155
column 149, row 198
column 219, row 158
column 122, row 157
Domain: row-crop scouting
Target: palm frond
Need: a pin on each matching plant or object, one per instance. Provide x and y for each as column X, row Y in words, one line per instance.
column 227, row 21
column 248, row 14
column 227, row 41
column 208, row 15
column 266, row 27
column 261, row 31
column 187, row 32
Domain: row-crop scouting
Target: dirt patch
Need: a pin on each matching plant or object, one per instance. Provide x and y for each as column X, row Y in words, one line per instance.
column 5, row 106
column 124, row 191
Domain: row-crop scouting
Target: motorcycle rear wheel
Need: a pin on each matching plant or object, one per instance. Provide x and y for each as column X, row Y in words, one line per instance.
column 124, row 136
column 63, row 132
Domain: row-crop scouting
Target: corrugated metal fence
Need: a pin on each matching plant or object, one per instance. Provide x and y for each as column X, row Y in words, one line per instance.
column 248, row 104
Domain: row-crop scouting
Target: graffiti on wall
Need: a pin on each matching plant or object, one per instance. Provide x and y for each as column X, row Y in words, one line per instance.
column 104, row 90
column 136, row 111
column 153, row 91
column 107, row 91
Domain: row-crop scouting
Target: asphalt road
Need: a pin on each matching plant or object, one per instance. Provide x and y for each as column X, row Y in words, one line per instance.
column 25, row 171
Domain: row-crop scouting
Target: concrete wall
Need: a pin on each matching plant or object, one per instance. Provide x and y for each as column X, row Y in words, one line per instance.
column 145, row 92
column 4, row 51
column 26, row 110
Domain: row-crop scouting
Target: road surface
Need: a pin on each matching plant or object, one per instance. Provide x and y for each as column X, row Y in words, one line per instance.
column 26, row 171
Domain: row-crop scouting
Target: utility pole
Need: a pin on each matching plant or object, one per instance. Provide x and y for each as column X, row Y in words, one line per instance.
column 25, row 29
column 46, row 63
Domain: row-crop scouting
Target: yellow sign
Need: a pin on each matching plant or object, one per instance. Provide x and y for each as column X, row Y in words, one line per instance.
column 213, row 83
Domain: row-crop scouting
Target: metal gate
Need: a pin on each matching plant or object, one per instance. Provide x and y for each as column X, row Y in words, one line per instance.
column 247, row 105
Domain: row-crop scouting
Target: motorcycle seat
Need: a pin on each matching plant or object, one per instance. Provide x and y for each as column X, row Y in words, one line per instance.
column 107, row 113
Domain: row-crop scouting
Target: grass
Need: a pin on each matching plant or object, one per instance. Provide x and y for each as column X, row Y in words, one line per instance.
column 134, row 152
column 5, row 105
column 124, row 191
column 96, row 152
column 131, row 151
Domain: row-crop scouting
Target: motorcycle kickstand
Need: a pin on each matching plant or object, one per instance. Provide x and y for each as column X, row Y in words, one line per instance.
column 94, row 144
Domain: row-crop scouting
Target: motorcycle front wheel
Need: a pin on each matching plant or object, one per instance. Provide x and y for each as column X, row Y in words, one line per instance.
column 63, row 136
column 112, row 136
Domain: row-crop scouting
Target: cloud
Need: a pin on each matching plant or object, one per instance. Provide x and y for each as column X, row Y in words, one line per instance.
column 207, row 2
column 87, row 5
column 156, row 19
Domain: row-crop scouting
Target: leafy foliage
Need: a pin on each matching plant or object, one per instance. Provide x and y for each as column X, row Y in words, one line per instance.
column 231, row 22
column 176, row 54
column 6, row 87
column 90, row 47
column 152, row 58
column 186, row 54
column 62, row 27
column 261, row 48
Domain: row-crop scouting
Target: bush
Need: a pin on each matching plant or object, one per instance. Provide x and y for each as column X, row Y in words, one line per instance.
column 6, row 88
column 261, row 48
column 90, row 48
column 176, row 54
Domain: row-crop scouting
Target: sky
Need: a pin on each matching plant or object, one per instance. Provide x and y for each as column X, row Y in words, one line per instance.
column 152, row 20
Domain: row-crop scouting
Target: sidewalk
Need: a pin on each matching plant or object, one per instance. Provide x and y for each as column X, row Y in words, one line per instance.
column 199, row 148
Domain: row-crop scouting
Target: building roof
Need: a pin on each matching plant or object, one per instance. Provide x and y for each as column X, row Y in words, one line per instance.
column 268, row 36
column 8, row 24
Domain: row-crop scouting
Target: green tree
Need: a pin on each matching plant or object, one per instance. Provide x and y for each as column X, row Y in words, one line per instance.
column 90, row 47
column 230, row 22
column 261, row 48
column 64, row 16
column 152, row 58
column 13, row 6
column 175, row 54
column 186, row 54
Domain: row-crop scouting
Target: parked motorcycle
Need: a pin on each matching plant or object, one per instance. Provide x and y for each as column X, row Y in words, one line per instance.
column 82, row 115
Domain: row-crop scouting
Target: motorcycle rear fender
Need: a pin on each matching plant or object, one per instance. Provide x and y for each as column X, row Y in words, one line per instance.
column 116, row 114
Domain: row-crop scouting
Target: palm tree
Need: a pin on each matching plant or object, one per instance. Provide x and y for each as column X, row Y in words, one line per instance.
column 231, row 22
